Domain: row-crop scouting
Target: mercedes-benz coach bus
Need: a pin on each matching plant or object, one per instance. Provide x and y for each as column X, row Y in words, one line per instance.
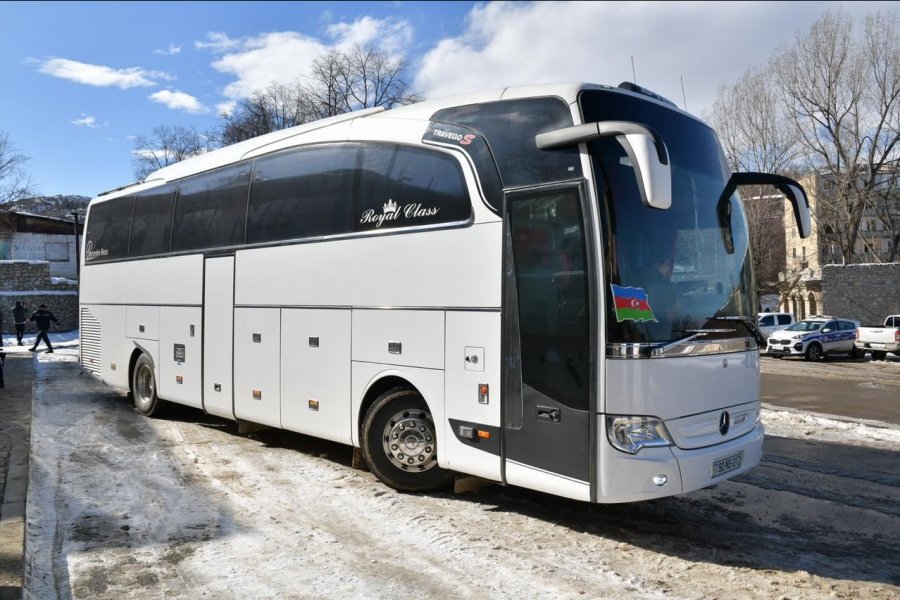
column 549, row 287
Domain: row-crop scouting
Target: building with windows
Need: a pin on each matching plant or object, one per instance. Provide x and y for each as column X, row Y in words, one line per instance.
column 801, row 284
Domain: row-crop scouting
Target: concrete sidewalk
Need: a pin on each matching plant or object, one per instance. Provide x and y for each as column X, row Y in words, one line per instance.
column 15, row 436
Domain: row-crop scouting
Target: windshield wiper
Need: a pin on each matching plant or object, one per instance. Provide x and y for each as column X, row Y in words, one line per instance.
column 695, row 333
column 749, row 323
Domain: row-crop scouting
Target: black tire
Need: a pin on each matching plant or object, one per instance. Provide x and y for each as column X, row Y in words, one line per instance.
column 857, row 353
column 411, row 465
column 814, row 352
column 143, row 387
column 879, row 355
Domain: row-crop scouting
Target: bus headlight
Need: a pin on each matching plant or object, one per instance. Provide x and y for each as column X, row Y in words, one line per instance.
column 630, row 434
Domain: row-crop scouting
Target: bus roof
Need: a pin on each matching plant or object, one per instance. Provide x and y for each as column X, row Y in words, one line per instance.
column 568, row 92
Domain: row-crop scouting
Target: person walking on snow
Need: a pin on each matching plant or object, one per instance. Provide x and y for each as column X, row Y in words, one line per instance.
column 20, row 317
column 42, row 318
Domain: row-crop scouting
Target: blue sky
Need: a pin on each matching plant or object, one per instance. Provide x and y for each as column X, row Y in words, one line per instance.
column 81, row 79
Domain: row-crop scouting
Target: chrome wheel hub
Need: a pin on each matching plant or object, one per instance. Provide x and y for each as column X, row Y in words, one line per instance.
column 409, row 442
column 144, row 386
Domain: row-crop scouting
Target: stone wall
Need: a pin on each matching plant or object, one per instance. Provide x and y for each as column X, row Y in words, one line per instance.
column 29, row 281
column 867, row 293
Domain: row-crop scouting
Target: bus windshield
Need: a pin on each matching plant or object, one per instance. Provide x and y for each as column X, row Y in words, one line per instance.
column 668, row 271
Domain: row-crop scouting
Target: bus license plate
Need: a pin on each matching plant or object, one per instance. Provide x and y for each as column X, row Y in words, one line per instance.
column 727, row 464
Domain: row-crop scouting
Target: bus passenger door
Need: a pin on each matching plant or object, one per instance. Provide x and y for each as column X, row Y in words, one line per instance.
column 548, row 332
column 218, row 337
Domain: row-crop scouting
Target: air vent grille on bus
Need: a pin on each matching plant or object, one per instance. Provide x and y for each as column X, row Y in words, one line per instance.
column 90, row 342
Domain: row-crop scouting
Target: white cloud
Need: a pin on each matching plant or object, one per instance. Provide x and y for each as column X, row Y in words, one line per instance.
column 88, row 121
column 279, row 56
column 285, row 56
column 217, row 42
column 391, row 35
column 179, row 101
column 170, row 51
column 226, row 108
column 706, row 43
column 98, row 75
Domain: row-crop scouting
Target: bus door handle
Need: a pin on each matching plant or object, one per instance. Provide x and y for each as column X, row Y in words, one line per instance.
column 548, row 413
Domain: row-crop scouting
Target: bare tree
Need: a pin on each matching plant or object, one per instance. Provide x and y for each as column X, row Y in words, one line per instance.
column 339, row 82
column 754, row 126
column 843, row 97
column 15, row 183
column 166, row 145
column 274, row 108
column 757, row 135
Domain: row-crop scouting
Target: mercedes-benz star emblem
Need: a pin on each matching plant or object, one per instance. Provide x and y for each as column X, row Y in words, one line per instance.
column 724, row 422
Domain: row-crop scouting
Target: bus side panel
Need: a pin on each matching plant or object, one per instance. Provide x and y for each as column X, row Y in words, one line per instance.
column 218, row 336
column 257, row 345
column 117, row 348
column 142, row 322
column 429, row 382
column 180, row 357
column 412, row 338
column 315, row 372
column 176, row 280
column 457, row 267
column 472, row 359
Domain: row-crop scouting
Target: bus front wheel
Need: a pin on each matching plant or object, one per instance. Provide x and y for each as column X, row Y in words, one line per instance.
column 143, row 387
column 399, row 442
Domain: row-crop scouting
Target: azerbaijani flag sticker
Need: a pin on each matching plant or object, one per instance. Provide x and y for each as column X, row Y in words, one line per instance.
column 631, row 304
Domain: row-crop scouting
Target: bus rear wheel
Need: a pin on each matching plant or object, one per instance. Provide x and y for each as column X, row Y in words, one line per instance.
column 400, row 445
column 143, row 387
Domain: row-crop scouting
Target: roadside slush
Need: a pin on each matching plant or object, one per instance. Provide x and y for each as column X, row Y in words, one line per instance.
column 15, row 434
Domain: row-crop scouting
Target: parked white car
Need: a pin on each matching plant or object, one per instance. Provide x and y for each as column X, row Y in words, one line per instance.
column 770, row 322
column 816, row 337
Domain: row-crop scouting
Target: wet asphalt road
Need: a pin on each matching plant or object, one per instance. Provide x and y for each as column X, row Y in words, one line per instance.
column 856, row 389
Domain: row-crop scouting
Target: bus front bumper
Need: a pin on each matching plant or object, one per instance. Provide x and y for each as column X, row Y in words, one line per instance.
column 659, row 472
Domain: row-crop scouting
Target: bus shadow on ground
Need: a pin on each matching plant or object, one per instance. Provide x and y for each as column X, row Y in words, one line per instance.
column 731, row 524
column 737, row 524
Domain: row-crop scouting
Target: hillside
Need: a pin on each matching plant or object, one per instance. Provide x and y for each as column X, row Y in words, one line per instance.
column 60, row 206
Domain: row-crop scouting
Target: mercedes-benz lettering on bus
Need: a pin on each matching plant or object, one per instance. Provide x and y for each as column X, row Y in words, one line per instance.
column 549, row 287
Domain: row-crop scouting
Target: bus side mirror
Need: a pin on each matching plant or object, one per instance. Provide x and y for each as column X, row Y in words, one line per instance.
column 792, row 190
column 644, row 146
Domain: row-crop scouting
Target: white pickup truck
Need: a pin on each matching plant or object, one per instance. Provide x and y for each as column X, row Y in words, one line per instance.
column 880, row 340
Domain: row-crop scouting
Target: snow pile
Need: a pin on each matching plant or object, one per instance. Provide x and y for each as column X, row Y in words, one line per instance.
column 801, row 425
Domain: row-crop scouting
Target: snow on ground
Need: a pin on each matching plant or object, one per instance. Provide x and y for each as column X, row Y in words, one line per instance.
column 58, row 339
column 120, row 506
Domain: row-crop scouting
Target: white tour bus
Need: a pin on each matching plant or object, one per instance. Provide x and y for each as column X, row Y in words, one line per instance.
column 548, row 286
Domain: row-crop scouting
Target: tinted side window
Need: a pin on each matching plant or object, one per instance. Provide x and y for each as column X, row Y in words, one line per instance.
column 767, row 321
column 211, row 209
column 784, row 320
column 847, row 326
column 304, row 193
column 106, row 236
column 402, row 186
column 151, row 225
column 510, row 126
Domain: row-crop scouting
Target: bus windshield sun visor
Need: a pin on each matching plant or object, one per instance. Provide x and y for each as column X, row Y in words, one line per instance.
column 644, row 146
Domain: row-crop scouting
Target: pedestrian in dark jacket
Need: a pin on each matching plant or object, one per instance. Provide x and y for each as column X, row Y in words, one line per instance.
column 20, row 317
column 42, row 318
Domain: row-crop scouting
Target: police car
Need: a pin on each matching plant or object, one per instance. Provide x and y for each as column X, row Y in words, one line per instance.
column 815, row 337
